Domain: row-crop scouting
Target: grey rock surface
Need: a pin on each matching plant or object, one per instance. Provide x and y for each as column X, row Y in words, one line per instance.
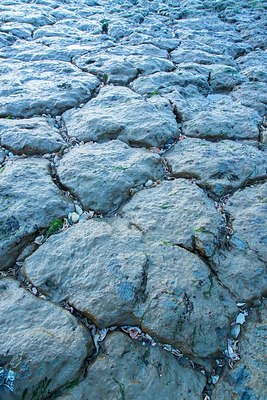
column 118, row 112
column 248, row 378
column 167, row 290
column 147, row 370
column 242, row 266
column 30, row 136
column 30, row 201
column 179, row 213
column 47, row 87
column 102, row 175
column 154, row 114
column 220, row 168
column 223, row 122
column 108, row 276
column 42, row 343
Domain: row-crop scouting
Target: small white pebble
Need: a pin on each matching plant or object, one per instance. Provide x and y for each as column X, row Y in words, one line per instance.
column 149, row 183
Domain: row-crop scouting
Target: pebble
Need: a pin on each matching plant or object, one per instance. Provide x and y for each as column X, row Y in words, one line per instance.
column 149, row 183
column 73, row 217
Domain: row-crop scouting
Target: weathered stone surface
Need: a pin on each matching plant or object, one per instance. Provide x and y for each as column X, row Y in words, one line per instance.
column 29, row 201
column 101, row 175
column 42, row 343
column 100, row 272
column 121, row 69
column 220, row 168
column 182, row 55
column 118, row 112
column 247, row 380
column 147, row 85
column 242, row 267
column 128, row 370
column 116, row 279
column 253, row 95
column 194, row 68
column 184, row 304
column 179, row 213
column 223, row 122
column 30, row 136
column 42, row 87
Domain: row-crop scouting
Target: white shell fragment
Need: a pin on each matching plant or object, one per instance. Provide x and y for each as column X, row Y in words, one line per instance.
column 241, row 318
column 73, row 217
column 133, row 331
column 78, row 209
column 235, row 331
column 214, row 379
column 39, row 240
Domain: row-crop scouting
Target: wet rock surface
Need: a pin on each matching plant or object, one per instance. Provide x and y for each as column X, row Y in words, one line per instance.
column 133, row 198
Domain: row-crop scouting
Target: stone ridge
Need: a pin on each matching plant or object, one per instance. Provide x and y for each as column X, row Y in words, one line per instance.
column 133, row 139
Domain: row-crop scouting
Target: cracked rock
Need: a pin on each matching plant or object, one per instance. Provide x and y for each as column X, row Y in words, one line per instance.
column 44, row 87
column 101, row 175
column 224, row 122
column 108, row 273
column 184, row 304
column 121, row 69
column 100, row 270
column 220, row 168
column 118, row 112
column 242, row 266
column 179, row 213
column 43, row 344
column 247, row 379
column 128, row 370
column 29, row 202
column 30, row 136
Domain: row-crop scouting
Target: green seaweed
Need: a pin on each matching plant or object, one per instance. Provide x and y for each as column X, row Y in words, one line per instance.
column 54, row 227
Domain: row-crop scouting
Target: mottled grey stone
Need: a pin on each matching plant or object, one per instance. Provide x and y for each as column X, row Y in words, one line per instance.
column 30, row 136
column 100, row 270
column 248, row 379
column 242, row 266
column 42, row 343
column 42, row 87
column 220, row 168
column 128, row 370
column 109, row 273
column 179, row 213
column 224, row 122
column 29, row 201
column 118, row 112
column 121, row 69
column 102, row 175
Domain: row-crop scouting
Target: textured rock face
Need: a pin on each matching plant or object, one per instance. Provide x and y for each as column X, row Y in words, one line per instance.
column 168, row 291
column 220, row 168
column 102, row 175
column 133, row 198
column 146, row 371
column 29, row 202
column 177, row 213
column 121, row 113
column 42, row 87
column 247, row 379
column 243, row 265
column 31, row 327
column 30, row 136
